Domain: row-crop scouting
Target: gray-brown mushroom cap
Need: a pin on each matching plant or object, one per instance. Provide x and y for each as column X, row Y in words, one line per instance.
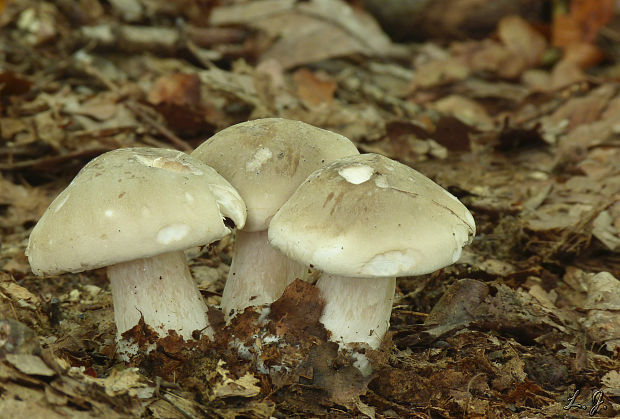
column 266, row 159
column 132, row 203
column 370, row 216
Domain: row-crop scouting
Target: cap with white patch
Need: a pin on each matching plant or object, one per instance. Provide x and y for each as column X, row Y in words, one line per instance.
column 266, row 159
column 133, row 203
column 370, row 216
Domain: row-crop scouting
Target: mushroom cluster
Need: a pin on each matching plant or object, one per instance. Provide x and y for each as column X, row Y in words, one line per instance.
column 310, row 199
column 266, row 160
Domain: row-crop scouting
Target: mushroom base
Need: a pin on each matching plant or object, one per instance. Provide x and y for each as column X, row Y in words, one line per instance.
column 357, row 309
column 258, row 274
column 162, row 290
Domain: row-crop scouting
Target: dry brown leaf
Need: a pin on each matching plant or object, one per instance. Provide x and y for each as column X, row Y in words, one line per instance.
column 458, row 303
column 20, row 294
column 100, row 107
column 603, row 292
column 438, row 72
column 566, row 73
column 314, row 89
column 466, row 110
column 127, row 381
column 582, row 23
column 605, row 230
column 13, row 84
column 244, row 386
column 522, row 40
column 161, row 409
column 603, row 327
column 179, row 89
column 26, row 203
column 519, row 312
column 343, row 383
column 17, row 338
column 14, row 408
column 307, row 32
column 272, row 88
column 583, row 55
column 611, row 383
column 30, row 364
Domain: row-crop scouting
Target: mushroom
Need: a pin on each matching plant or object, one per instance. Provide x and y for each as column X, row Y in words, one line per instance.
column 363, row 221
column 265, row 160
column 135, row 211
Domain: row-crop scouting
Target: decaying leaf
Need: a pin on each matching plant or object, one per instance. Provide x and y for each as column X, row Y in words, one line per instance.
column 30, row 364
column 244, row 386
column 17, row 338
column 308, row 32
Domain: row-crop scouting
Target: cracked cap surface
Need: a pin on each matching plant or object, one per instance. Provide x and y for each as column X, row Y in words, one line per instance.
column 370, row 216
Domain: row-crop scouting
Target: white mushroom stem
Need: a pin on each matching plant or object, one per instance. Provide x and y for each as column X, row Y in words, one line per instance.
column 161, row 289
column 357, row 309
column 258, row 274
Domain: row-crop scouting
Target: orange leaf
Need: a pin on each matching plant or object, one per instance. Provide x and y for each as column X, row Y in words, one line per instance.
column 179, row 89
column 583, row 54
column 314, row 89
column 583, row 22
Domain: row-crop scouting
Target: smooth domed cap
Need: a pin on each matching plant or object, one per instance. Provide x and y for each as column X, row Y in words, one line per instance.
column 132, row 203
column 369, row 216
column 267, row 159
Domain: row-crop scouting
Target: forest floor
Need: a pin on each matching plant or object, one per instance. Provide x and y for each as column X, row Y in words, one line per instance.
column 522, row 134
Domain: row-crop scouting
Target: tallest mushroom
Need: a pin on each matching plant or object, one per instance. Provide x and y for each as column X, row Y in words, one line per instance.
column 266, row 160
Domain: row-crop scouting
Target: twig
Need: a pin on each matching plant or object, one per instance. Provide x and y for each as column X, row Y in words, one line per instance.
column 135, row 107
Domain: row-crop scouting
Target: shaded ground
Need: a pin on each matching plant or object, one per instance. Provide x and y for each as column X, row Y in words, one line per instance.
column 512, row 124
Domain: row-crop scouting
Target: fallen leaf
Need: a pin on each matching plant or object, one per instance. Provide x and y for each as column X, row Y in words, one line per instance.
column 518, row 313
column 17, row 338
column 458, row 303
column 603, row 228
column 177, row 97
column 343, row 383
column 314, row 89
column 244, row 386
column 526, row 43
column 295, row 315
column 528, row 394
column 13, row 84
column 127, row 381
column 464, row 109
column 30, row 364
column 611, row 383
column 17, row 292
column 100, row 107
column 307, row 32
column 582, row 23
column 178, row 89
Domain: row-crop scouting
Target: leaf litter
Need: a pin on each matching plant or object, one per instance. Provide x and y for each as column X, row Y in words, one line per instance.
column 521, row 125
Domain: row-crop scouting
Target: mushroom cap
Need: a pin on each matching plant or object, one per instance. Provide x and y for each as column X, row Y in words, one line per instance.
column 129, row 204
column 370, row 216
column 267, row 159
